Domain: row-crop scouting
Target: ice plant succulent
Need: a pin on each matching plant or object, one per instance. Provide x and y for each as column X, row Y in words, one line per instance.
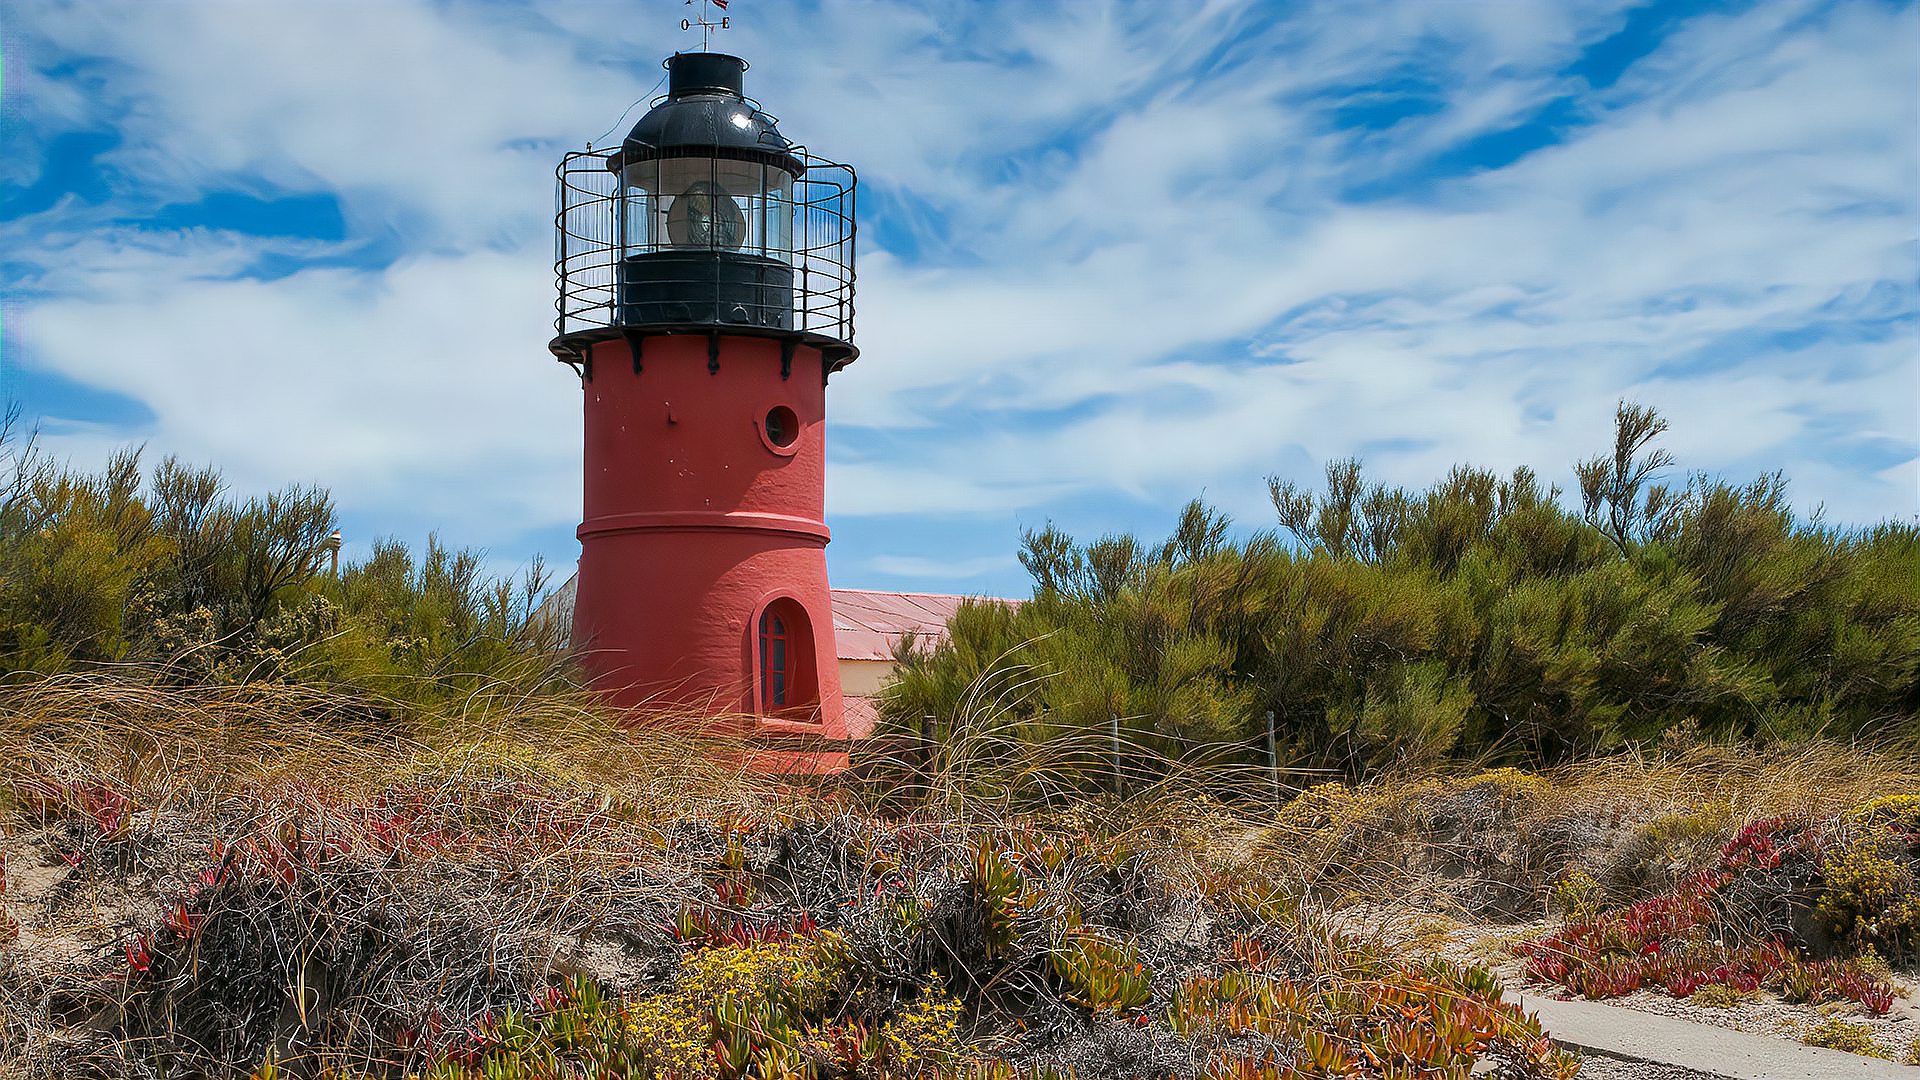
column 1687, row 939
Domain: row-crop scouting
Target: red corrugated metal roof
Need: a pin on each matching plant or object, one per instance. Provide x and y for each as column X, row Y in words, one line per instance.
column 862, row 716
column 867, row 624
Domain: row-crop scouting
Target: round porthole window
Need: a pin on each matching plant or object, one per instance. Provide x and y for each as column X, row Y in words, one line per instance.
column 783, row 427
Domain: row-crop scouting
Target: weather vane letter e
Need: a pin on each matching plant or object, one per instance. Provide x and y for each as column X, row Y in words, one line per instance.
column 705, row 23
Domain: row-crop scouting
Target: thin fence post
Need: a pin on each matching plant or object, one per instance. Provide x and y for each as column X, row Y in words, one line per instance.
column 1273, row 759
column 923, row 755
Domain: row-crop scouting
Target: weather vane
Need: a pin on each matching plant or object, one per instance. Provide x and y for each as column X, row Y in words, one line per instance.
column 707, row 26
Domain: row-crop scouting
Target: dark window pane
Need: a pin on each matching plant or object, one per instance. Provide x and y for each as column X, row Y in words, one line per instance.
column 775, row 664
column 783, row 426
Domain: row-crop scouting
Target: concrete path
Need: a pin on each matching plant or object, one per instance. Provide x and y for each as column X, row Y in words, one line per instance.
column 1595, row 1028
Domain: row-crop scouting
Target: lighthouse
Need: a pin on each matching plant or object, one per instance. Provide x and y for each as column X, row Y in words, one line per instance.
column 705, row 280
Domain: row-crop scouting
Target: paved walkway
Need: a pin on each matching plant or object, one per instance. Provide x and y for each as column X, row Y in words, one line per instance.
column 1637, row 1036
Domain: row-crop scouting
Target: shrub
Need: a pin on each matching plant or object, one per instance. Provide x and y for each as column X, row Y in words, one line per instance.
column 167, row 573
column 1869, row 894
column 1720, row 996
column 1834, row 1033
column 1479, row 619
column 924, row 1035
column 1577, row 897
column 750, row 998
column 1899, row 812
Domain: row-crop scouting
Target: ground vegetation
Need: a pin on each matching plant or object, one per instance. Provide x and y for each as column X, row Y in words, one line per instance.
column 253, row 880
column 1298, row 804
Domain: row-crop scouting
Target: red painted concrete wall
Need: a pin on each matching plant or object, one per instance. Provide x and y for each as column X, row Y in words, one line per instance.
column 694, row 520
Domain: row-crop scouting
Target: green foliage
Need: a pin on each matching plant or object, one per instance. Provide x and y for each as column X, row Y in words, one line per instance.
column 1101, row 975
column 75, row 549
column 1480, row 619
column 1722, row 996
column 1834, row 1033
column 170, row 573
column 1870, row 894
column 1577, row 897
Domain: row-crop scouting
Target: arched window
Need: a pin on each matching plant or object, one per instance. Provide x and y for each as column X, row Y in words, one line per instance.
column 776, row 661
column 785, row 658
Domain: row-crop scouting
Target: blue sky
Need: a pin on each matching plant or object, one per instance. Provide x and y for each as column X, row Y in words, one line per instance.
column 1113, row 255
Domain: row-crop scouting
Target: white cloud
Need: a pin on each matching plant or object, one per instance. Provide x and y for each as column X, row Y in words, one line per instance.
column 1139, row 272
column 936, row 569
column 432, row 122
column 396, row 388
column 1560, row 283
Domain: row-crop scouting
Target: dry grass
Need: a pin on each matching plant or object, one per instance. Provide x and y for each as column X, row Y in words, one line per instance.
column 1493, row 845
column 465, row 855
column 175, row 748
column 1815, row 779
column 207, row 874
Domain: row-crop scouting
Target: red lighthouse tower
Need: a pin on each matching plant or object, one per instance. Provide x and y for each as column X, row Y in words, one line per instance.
column 705, row 272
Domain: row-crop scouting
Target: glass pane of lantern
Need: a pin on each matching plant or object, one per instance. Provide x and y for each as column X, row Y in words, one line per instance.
column 779, row 214
column 636, row 218
column 703, row 203
column 716, row 204
column 638, row 204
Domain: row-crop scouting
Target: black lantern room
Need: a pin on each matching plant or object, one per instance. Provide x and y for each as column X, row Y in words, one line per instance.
column 705, row 218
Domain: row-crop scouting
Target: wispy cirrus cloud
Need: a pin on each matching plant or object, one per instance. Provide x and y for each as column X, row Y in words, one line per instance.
column 945, row 571
column 1115, row 254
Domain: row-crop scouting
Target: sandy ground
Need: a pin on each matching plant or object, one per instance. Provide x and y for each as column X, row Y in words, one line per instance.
column 1596, row 1067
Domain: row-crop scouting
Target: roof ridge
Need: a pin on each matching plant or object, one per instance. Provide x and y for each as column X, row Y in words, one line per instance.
column 907, row 592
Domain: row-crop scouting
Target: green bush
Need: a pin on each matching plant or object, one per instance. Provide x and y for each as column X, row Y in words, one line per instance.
column 1869, row 895
column 1485, row 619
column 1577, row 897
column 168, row 573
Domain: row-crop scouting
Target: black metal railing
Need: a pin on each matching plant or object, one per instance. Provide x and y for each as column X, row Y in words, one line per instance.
column 595, row 293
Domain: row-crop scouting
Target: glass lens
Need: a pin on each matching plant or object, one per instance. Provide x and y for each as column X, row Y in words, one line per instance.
column 705, row 215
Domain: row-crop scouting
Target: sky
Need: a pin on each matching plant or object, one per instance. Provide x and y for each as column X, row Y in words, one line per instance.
column 1112, row 256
